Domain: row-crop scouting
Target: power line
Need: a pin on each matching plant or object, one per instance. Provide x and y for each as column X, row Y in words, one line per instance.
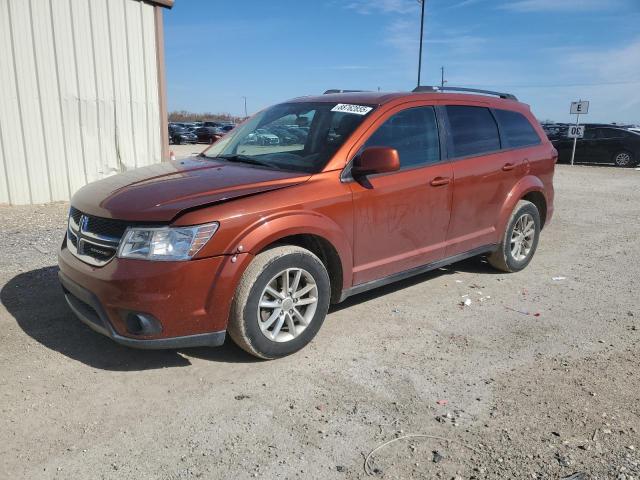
column 557, row 85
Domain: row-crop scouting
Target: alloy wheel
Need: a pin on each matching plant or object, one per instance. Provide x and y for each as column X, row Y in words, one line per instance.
column 522, row 237
column 622, row 159
column 287, row 305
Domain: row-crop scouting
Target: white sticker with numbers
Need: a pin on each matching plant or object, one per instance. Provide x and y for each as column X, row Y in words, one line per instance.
column 348, row 108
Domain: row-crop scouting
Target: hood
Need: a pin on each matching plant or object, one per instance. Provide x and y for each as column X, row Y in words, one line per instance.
column 158, row 193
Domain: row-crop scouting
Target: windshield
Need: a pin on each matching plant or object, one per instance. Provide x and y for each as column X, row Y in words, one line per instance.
column 291, row 136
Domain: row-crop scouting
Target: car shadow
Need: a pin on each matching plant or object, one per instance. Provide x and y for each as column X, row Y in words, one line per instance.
column 36, row 301
column 472, row 265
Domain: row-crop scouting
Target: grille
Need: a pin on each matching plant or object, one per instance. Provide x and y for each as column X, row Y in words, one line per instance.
column 93, row 240
column 75, row 214
column 106, row 227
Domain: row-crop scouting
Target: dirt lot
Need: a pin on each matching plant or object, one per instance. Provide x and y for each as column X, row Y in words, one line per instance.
column 538, row 381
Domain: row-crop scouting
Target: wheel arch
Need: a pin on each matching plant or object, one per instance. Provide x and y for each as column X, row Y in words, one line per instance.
column 311, row 231
column 528, row 188
column 538, row 199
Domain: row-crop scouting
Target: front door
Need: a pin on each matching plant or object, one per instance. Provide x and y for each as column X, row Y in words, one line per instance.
column 401, row 218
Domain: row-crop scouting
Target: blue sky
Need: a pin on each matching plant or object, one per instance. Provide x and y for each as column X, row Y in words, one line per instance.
column 547, row 52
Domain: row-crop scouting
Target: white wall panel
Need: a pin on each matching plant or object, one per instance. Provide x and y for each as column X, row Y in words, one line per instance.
column 52, row 130
column 11, row 141
column 154, row 141
column 80, row 94
column 63, row 40
column 29, row 100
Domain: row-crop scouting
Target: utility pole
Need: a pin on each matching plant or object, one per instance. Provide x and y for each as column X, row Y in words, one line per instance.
column 245, row 107
column 442, row 81
column 421, row 36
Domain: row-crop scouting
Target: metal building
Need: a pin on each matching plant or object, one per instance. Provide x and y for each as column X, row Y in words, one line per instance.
column 82, row 93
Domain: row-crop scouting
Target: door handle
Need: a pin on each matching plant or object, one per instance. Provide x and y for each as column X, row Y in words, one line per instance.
column 439, row 181
column 508, row 166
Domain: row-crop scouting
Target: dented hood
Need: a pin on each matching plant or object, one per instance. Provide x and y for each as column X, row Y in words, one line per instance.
column 158, row 193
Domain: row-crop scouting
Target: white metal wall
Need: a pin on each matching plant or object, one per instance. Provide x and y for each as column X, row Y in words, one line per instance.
column 78, row 95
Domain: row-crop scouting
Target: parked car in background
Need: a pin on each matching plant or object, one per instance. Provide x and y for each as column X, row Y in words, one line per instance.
column 263, row 137
column 555, row 130
column 179, row 135
column 604, row 144
column 208, row 134
column 257, row 242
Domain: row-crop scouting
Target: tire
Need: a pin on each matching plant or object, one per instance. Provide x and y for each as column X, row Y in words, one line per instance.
column 623, row 159
column 253, row 328
column 178, row 141
column 507, row 258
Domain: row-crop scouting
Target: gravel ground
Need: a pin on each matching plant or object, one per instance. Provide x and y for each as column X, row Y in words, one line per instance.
column 537, row 378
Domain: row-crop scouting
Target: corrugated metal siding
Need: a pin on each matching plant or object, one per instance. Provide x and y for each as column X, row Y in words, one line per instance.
column 79, row 95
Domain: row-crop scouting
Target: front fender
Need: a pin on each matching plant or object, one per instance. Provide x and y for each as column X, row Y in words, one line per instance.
column 275, row 227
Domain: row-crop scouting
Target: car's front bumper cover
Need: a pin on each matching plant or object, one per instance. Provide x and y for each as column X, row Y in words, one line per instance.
column 87, row 307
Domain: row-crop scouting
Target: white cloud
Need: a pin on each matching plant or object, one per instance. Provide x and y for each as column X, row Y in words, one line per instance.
column 367, row 7
column 561, row 5
column 464, row 3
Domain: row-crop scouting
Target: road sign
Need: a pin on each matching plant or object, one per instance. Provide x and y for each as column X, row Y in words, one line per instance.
column 575, row 131
column 580, row 108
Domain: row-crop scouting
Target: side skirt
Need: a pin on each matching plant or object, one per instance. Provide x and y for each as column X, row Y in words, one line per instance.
column 363, row 287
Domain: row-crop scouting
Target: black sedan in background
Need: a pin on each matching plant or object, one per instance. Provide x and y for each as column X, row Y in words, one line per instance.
column 208, row 134
column 179, row 135
column 601, row 144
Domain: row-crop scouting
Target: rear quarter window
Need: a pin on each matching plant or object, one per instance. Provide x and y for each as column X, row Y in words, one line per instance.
column 516, row 129
column 472, row 131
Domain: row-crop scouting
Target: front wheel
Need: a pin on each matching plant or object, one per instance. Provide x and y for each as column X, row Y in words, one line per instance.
column 520, row 239
column 281, row 302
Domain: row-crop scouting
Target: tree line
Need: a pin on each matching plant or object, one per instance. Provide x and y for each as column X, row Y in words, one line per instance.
column 186, row 116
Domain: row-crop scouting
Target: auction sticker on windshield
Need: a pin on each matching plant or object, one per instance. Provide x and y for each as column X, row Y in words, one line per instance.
column 348, row 108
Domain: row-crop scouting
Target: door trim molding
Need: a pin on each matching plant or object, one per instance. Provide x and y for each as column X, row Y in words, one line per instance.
column 363, row 287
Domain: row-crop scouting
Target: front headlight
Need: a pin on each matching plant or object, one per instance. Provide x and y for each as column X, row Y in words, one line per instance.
column 165, row 243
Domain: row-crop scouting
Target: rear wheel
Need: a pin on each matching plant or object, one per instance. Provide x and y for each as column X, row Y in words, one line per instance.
column 623, row 159
column 520, row 239
column 280, row 303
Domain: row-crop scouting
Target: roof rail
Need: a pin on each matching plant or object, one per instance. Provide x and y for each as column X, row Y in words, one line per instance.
column 430, row 88
column 337, row 90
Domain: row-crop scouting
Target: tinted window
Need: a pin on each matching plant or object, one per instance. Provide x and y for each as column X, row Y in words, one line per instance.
column 610, row 133
column 516, row 129
column 473, row 130
column 590, row 133
column 413, row 133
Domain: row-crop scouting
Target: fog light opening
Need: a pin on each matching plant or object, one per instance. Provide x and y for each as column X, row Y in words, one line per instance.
column 142, row 324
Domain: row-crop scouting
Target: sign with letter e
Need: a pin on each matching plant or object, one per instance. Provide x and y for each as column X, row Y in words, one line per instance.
column 579, row 108
column 575, row 131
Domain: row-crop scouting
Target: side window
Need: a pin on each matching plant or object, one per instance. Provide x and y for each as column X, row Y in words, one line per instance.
column 473, row 130
column 590, row 134
column 413, row 133
column 516, row 129
column 611, row 133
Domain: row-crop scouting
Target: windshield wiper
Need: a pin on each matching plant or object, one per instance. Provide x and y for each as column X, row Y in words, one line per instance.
column 244, row 159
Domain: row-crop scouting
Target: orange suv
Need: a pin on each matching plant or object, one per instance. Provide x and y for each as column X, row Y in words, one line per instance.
column 304, row 204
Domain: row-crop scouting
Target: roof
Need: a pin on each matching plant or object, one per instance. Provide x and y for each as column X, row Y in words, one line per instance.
column 160, row 3
column 380, row 98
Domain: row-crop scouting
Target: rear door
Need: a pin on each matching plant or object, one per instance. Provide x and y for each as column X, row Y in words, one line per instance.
column 483, row 175
column 610, row 142
column 401, row 218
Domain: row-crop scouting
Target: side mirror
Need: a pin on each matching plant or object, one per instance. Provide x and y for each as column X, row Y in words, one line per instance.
column 376, row 160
